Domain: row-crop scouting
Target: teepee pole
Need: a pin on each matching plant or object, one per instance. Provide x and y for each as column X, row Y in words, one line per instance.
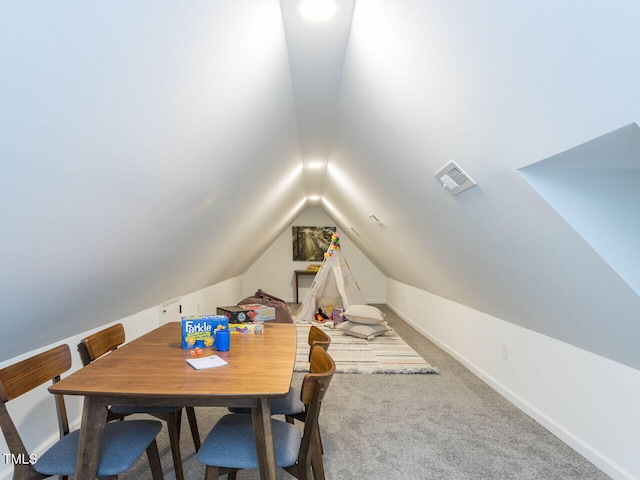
column 316, row 275
column 354, row 280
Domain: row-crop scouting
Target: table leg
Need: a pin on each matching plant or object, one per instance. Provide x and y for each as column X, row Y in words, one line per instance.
column 261, row 416
column 94, row 418
column 296, row 274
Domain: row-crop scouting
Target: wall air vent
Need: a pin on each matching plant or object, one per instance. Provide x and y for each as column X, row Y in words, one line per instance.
column 453, row 178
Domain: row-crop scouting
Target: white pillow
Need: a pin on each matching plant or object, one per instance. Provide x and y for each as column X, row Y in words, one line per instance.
column 363, row 331
column 366, row 314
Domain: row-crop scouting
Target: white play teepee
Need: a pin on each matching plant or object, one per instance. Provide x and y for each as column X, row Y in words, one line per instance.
column 334, row 280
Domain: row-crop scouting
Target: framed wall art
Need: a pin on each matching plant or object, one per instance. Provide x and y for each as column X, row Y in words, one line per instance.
column 310, row 243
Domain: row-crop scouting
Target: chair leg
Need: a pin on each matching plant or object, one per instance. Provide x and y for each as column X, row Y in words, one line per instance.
column 22, row 472
column 211, row 473
column 193, row 425
column 179, row 422
column 301, row 470
column 316, row 458
column 317, row 467
column 174, row 438
column 320, row 442
column 304, row 473
column 154, row 461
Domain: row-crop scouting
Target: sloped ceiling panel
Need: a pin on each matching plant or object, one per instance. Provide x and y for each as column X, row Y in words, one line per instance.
column 148, row 149
column 494, row 86
column 316, row 50
column 596, row 188
column 316, row 53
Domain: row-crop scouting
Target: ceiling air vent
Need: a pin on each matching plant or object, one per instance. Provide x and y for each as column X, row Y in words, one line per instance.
column 376, row 220
column 453, row 178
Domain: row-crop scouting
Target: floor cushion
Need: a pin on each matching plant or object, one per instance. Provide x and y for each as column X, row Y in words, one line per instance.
column 283, row 312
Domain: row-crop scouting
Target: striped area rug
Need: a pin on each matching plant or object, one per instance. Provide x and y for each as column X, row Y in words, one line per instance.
column 386, row 353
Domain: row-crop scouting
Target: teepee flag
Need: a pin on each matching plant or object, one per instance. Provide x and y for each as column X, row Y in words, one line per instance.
column 334, row 280
column 334, row 245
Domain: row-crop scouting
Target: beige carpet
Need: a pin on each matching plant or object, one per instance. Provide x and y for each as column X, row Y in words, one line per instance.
column 386, row 353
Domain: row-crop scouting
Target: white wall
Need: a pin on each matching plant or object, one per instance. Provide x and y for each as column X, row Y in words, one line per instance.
column 34, row 413
column 588, row 401
column 207, row 300
column 273, row 271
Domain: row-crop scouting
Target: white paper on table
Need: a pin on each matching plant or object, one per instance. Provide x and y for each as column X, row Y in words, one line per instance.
column 206, row 362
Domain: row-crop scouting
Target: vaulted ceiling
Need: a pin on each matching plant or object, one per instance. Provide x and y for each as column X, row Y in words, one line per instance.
column 148, row 149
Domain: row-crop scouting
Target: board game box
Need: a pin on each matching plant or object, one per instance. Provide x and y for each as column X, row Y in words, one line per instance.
column 246, row 328
column 198, row 331
column 258, row 313
column 235, row 313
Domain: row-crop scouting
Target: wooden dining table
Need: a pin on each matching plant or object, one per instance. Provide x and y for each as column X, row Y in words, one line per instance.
column 152, row 370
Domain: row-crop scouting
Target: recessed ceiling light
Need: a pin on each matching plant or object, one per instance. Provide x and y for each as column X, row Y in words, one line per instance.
column 315, row 164
column 314, row 198
column 318, row 10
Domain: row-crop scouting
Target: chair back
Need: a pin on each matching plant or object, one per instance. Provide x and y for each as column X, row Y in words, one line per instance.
column 318, row 337
column 102, row 342
column 314, row 388
column 24, row 376
column 321, row 370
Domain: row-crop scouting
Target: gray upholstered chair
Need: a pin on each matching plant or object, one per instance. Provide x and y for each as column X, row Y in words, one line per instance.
column 230, row 446
column 123, row 442
column 291, row 406
column 100, row 343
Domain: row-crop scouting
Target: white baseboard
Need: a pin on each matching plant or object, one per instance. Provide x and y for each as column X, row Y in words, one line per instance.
column 369, row 301
column 612, row 469
column 376, row 301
